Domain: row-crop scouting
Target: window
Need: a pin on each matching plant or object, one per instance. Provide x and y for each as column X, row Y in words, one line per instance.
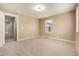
column 48, row 25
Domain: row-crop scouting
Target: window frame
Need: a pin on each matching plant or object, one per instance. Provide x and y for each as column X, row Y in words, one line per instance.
column 47, row 30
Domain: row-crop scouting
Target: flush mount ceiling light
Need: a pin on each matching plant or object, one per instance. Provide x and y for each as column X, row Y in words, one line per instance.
column 39, row 8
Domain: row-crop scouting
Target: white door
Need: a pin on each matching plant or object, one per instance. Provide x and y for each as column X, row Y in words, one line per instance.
column 2, row 29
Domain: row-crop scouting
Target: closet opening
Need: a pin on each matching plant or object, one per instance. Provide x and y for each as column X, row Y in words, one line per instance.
column 10, row 29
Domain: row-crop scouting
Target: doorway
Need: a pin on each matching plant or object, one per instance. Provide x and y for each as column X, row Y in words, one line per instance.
column 10, row 29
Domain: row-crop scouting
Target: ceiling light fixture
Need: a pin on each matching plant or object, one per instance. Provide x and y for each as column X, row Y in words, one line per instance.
column 39, row 8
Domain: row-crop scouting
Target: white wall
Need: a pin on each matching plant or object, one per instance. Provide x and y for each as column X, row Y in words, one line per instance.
column 2, row 29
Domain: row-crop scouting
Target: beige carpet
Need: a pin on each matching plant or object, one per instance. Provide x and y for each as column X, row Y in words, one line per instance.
column 38, row 46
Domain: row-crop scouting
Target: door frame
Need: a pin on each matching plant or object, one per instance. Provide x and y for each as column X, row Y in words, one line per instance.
column 16, row 20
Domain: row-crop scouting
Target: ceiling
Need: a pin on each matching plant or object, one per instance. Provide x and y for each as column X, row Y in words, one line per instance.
column 51, row 9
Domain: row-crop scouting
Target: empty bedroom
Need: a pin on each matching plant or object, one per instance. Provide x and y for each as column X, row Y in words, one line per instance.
column 39, row 29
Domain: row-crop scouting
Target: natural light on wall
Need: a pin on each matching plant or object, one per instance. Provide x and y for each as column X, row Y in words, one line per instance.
column 48, row 25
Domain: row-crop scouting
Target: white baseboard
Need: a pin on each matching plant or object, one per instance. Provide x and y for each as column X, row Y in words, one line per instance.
column 36, row 36
column 59, row 39
column 30, row 37
column 3, row 43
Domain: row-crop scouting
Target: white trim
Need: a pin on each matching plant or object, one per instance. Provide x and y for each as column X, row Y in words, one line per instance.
column 17, row 21
column 2, row 41
column 38, row 36
column 31, row 37
column 60, row 39
column 16, row 18
column 77, row 30
column 10, row 14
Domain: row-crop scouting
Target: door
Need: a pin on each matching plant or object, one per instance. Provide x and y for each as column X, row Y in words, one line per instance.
column 10, row 28
column 2, row 29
